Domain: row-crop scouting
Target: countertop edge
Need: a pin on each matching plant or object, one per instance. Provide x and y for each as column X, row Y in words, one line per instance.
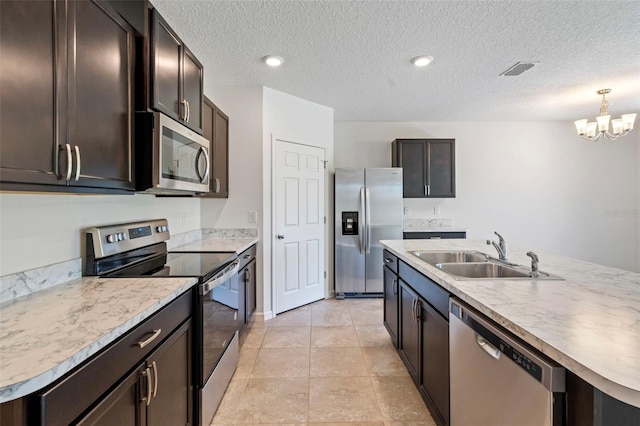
column 25, row 387
column 238, row 244
column 621, row 392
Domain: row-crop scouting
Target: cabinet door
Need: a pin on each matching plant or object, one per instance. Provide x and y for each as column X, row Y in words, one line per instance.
column 166, row 62
column 193, row 72
column 434, row 377
column 391, row 304
column 172, row 391
column 29, row 85
column 412, row 155
column 216, row 130
column 220, row 157
column 409, row 331
column 250, row 286
column 441, row 168
column 120, row 407
column 101, row 96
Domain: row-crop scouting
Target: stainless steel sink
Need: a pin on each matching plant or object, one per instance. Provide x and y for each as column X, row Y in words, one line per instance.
column 490, row 270
column 436, row 257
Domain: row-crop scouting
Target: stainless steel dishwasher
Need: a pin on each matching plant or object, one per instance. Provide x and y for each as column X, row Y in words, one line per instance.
column 496, row 380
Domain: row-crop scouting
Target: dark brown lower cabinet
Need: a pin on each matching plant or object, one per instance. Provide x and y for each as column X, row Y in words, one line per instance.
column 390, row 312
column 250, row 288
column 434, row 357
column 424, row 348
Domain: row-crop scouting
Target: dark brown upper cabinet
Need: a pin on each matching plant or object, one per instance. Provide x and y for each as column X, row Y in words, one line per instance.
column 66, row 90
column 216, row 130
column 428, row 167
column 176, row 76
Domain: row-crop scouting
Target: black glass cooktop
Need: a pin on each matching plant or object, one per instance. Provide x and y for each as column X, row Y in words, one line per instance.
column 188, row 264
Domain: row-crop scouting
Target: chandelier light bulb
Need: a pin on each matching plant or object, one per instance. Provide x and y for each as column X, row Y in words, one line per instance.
column 594, row 130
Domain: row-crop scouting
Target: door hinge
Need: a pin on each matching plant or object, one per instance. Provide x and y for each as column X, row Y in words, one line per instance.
column 325, row 220
column 325, row 163
column 325, row 275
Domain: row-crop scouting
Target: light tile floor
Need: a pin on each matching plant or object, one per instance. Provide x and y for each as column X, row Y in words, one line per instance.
column 328, row 363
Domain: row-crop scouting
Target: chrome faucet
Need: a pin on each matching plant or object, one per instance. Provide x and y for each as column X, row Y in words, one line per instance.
column 534, row 264
column 501, row 247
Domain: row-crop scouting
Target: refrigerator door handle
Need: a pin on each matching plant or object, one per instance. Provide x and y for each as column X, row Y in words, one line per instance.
column 368, row 219
column 362, row 221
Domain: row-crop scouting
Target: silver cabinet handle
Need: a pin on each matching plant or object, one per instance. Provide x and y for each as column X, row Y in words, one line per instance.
column 188, row 111
column 394, row 286
column 155, row 334
column 67, row 147
column 428, row 189
column 147, row 373
column 217, row 185
column 247, row 275
column 386, row 259
column 155, row 378
column 413, row 309
column 488, row 348
column 182, row 112
column 78, row 164
column 280, row 236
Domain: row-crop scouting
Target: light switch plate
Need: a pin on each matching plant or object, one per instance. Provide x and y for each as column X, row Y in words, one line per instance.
column 253, row 216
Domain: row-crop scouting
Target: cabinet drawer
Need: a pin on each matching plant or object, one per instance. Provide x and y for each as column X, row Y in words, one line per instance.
column 390, row 261
column 437, row 296
column 246, row 256
column 73, row 394
column 432, row 235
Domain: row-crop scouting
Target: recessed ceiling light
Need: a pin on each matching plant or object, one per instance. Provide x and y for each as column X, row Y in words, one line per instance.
column 422, row 61
column 273, row 60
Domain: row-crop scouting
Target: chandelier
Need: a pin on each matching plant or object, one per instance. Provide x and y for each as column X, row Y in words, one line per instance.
column 593, row 130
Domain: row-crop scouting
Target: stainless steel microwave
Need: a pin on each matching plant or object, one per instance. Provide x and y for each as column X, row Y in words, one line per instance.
column 170, row 158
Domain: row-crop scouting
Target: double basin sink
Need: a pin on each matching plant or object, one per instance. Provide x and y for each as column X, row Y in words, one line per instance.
column 477, row 265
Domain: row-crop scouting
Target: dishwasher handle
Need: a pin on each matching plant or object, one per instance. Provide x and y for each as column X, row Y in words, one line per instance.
column 487, row 347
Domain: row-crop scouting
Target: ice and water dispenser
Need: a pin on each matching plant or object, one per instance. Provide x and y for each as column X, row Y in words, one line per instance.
column 349, row 223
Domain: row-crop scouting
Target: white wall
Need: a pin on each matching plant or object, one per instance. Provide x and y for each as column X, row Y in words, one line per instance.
column 41, row 229
column 292, row 118
column 243, row 105
column 539, row 184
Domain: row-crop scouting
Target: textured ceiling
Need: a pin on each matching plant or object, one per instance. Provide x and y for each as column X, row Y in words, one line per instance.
column 353, row 56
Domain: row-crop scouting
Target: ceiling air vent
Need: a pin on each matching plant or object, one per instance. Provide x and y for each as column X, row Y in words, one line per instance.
column 518, row 68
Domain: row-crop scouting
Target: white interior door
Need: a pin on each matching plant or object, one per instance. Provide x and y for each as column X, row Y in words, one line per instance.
column 299, row 232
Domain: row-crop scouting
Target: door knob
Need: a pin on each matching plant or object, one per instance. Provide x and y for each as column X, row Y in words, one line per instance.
column 280, row 236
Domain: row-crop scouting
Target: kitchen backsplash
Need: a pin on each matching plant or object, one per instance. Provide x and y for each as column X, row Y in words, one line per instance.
column 22, row 283
column 426, row 223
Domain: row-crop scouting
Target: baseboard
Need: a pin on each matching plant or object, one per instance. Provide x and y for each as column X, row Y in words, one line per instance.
column 263, row 316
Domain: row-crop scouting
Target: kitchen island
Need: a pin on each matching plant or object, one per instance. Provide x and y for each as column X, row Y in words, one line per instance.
column 588, row 322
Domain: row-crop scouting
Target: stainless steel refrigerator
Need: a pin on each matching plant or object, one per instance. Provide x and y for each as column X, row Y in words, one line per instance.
column 368, row 208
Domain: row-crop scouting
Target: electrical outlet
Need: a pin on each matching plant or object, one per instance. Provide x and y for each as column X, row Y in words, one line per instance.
column 183, row 218
column 253, row 216
column 405, row 210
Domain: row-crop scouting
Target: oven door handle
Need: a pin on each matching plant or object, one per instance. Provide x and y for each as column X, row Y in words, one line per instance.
column 231, row 271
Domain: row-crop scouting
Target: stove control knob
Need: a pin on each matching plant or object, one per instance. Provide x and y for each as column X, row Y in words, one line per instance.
column 158, row 228
column 165, row 228
column 112, row 238
column 121, row 236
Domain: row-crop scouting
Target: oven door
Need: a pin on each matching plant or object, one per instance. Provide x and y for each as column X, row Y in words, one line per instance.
column 220, row 323
column 184, row 156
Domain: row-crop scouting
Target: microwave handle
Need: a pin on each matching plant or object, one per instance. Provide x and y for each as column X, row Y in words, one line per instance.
column 201, row 151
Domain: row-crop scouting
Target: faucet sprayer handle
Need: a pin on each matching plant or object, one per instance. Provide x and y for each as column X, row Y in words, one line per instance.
column 500, row 237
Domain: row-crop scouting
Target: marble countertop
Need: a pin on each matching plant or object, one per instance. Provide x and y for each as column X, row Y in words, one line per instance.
column 218, row 244
column 46, row 334
column 589, row 322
